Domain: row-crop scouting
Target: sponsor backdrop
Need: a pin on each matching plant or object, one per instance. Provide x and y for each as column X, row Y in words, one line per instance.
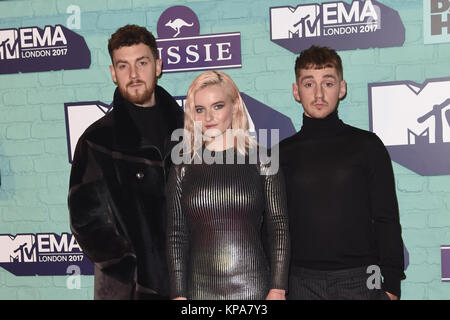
column 54, row 82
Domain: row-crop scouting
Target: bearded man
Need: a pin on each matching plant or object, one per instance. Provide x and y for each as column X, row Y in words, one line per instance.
column 117, row 182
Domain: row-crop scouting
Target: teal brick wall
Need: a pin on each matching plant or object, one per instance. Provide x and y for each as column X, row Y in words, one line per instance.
column 33, row 150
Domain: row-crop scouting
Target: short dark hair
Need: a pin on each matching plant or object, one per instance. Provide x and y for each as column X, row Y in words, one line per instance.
column 129, row 35
column 318, row 58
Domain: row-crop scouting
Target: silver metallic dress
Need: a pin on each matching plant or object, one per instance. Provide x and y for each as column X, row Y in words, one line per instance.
column 227, row 231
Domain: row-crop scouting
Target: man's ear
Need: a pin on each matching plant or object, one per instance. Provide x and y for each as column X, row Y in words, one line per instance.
column 113, row 74
column 342, row 89
column 158, row 63
column 295, row 92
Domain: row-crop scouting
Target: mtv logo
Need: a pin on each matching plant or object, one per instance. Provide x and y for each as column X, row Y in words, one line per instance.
column 413, row 121
column 359, row 24
column 79, row 116
column 21, row 248
column 9, row 40
column 288, row 22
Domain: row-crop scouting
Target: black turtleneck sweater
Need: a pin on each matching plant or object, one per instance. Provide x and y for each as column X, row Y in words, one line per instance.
column 151, row 124
column 343, row 210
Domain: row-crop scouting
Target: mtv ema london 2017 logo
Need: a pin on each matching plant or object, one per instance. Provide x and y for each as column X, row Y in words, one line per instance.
column 43, row 254
column 436, row 21
column 32, row 49
column 339, row 25
column 182, row 48
column 413, row 121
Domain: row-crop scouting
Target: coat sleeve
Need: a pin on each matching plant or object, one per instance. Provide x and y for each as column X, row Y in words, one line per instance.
column 277, row 228
column 93, row 214
column 177, row 235
column 385, row 216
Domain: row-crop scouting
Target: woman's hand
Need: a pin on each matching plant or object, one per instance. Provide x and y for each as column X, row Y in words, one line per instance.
column 179, row 298
column 391, row 296
column 276, row 294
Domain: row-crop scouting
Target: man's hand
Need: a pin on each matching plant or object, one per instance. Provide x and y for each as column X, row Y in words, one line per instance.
column 276, row 294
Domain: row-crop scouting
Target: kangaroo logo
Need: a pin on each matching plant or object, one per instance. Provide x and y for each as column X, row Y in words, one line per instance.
column 177, row 24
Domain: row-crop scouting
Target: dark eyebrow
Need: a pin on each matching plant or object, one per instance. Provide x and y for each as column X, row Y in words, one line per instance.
column 311, row 77
column 120, row 61
column 305, row 78
column 138, row 59
column 143, row 57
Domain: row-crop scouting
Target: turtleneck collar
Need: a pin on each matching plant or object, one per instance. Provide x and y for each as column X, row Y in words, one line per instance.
column 126, row 134
column 331, row 125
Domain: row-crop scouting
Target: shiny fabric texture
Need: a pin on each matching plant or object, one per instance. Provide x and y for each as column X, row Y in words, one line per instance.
column 227, row 231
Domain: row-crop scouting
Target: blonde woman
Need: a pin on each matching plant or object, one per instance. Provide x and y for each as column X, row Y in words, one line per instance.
column 220, row 212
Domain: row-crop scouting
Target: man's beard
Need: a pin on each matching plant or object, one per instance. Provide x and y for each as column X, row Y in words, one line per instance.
column 134, row 96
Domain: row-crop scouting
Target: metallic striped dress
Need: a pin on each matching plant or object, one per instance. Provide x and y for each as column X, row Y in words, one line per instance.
column 227, row 231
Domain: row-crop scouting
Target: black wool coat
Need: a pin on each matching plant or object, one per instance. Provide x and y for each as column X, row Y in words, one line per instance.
column 117, row 201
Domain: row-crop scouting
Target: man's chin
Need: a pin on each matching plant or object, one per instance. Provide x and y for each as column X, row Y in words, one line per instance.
column 320, row 114
column 138, row 99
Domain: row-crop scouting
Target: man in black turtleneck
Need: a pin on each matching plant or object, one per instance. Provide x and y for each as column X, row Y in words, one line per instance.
column 343, row 211
column 118, row 176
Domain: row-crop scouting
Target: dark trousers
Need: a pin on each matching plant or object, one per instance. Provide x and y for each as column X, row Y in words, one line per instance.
column 149, row 296
column 142, row 293
column 348, row 284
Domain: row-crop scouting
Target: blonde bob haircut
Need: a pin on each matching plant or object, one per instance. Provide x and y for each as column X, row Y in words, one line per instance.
column 239, row 125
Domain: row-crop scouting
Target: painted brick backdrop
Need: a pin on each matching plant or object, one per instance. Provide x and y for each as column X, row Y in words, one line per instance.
column 33, row 151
